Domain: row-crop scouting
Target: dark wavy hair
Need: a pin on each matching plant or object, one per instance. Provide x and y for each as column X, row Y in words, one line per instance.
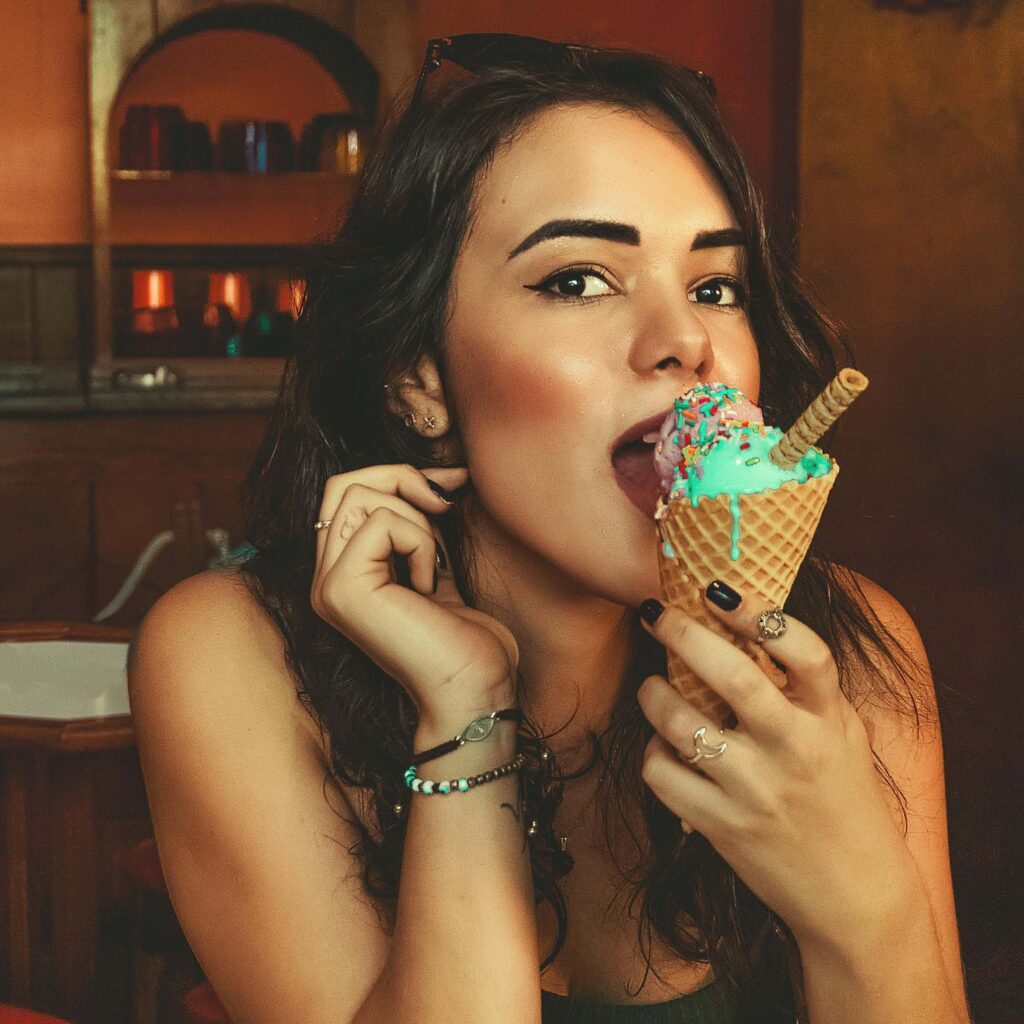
column 377, row 299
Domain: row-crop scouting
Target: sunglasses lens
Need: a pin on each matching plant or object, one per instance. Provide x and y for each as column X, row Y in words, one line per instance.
column 481, row 51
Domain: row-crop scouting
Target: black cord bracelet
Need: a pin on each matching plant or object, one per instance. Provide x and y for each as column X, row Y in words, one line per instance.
column 478, row 729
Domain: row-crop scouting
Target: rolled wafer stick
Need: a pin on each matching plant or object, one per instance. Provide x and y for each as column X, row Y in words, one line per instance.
column 837, row 397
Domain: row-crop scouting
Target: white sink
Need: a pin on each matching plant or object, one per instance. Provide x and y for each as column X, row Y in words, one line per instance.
column 63, row 679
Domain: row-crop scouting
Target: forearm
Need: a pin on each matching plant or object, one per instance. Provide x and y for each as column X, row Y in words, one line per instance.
column 465, row 943
column 892, row 971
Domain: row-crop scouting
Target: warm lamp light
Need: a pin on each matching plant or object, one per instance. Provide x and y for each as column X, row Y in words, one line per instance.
column 152, row 289
column 232, row 290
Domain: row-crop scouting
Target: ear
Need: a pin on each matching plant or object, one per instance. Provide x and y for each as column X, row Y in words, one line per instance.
column 421, row 393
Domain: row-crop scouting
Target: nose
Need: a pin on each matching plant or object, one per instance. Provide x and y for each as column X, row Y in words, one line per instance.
column 671, row 337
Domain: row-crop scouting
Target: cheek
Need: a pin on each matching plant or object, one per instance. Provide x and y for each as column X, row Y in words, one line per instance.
column 519, row 392
column 523, row 410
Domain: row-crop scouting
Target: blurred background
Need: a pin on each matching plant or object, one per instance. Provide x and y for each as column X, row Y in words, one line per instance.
column 160, row 162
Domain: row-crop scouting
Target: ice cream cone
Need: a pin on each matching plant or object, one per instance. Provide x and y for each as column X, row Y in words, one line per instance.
column 775, row 528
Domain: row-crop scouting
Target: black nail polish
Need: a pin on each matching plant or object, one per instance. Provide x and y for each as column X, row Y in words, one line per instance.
column 723, row 595
column 651, row 610
column 442, row 558
column 439, row 491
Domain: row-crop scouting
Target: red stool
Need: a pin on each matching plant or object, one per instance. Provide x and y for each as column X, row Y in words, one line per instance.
column 154, row 928
column 141, row 863
column 203, row 1007
column 14, row 1015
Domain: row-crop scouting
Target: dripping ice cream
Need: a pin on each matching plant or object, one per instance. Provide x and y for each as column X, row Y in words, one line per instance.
column 740, row 501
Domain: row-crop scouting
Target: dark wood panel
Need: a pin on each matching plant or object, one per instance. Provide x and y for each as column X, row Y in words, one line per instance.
column 16, row 314
column 44, row 559
column 59, row 314
column 82, row 497
column 91, row 448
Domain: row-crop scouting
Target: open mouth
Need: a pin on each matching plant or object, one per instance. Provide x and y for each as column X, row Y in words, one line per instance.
column 635, row 474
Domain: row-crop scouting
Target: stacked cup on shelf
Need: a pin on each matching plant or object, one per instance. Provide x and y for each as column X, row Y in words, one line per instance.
column 159, row 137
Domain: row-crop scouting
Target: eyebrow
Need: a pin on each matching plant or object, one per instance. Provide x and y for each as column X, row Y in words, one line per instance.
column 613, row 231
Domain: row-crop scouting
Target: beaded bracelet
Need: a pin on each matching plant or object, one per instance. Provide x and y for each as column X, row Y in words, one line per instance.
column 427, row 786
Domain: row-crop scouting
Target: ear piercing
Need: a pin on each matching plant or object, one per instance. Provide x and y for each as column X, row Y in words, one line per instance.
column 429, row 422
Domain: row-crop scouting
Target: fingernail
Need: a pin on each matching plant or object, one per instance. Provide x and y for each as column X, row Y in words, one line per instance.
column 439, row 491
column 651, row 610
column 723, row 595
column 435, row 581
column 442, row 558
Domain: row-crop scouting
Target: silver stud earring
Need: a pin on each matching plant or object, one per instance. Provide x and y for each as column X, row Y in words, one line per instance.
column 410, row 420
column 429, row 422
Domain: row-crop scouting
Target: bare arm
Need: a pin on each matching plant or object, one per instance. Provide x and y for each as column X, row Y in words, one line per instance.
column 257, row 859
column 911, row 970
column 465, row 944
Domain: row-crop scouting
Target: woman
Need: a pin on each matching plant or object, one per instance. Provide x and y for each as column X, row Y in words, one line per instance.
column 541, row 253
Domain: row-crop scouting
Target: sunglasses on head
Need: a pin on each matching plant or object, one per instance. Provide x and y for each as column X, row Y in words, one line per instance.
column 481, row 51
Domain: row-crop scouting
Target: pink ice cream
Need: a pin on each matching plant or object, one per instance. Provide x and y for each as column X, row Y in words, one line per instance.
column 695, row 422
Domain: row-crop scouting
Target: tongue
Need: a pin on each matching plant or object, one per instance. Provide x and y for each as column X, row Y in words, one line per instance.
column 635, row 462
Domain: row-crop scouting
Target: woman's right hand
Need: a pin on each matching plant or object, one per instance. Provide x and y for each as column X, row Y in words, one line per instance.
column 447, row 656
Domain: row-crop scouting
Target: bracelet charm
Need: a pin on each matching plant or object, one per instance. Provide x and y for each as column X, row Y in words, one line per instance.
column 478, row 729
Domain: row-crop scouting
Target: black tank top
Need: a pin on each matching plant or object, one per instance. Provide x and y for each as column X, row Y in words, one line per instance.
column 712, row 1004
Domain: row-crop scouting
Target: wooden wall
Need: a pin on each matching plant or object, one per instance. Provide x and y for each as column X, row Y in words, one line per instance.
column 911, row 178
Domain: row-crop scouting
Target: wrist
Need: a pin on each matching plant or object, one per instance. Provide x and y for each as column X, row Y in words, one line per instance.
column 443, row 723
column 500, row 744
column 890, row 969
column 857, row 939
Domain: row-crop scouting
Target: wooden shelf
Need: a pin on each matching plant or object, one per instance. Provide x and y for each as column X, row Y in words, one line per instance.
column 173, row 379
column 220, row 208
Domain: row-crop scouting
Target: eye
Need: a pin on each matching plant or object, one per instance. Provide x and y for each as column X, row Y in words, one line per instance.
column 721, row 291
column 579, row 284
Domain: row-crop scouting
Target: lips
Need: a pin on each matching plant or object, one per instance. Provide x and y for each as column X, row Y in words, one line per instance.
column 637, row 431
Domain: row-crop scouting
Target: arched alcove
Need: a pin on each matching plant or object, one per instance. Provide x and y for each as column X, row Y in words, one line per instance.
column 364, row 48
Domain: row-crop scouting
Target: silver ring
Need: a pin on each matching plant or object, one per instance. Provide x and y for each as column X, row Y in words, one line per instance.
column 770, row 625
column 322, row 524
column 704, row 750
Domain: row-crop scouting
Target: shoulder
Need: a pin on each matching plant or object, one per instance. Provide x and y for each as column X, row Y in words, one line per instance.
column 213, row 609
column 208, row 659
column 210, row 626
column 903, row 678
column 886, row 608
column 894, row 692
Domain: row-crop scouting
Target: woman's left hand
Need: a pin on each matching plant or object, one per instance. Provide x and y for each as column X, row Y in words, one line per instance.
column 793, row 803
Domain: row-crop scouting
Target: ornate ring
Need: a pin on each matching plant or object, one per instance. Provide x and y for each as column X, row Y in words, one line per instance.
column 703, row 749
column 770, row 625
column 322, row 524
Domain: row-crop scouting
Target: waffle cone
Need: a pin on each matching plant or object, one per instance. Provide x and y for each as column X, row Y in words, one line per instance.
column 775, row 531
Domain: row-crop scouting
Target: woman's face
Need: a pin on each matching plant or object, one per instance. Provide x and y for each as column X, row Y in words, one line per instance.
column 556, row 346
